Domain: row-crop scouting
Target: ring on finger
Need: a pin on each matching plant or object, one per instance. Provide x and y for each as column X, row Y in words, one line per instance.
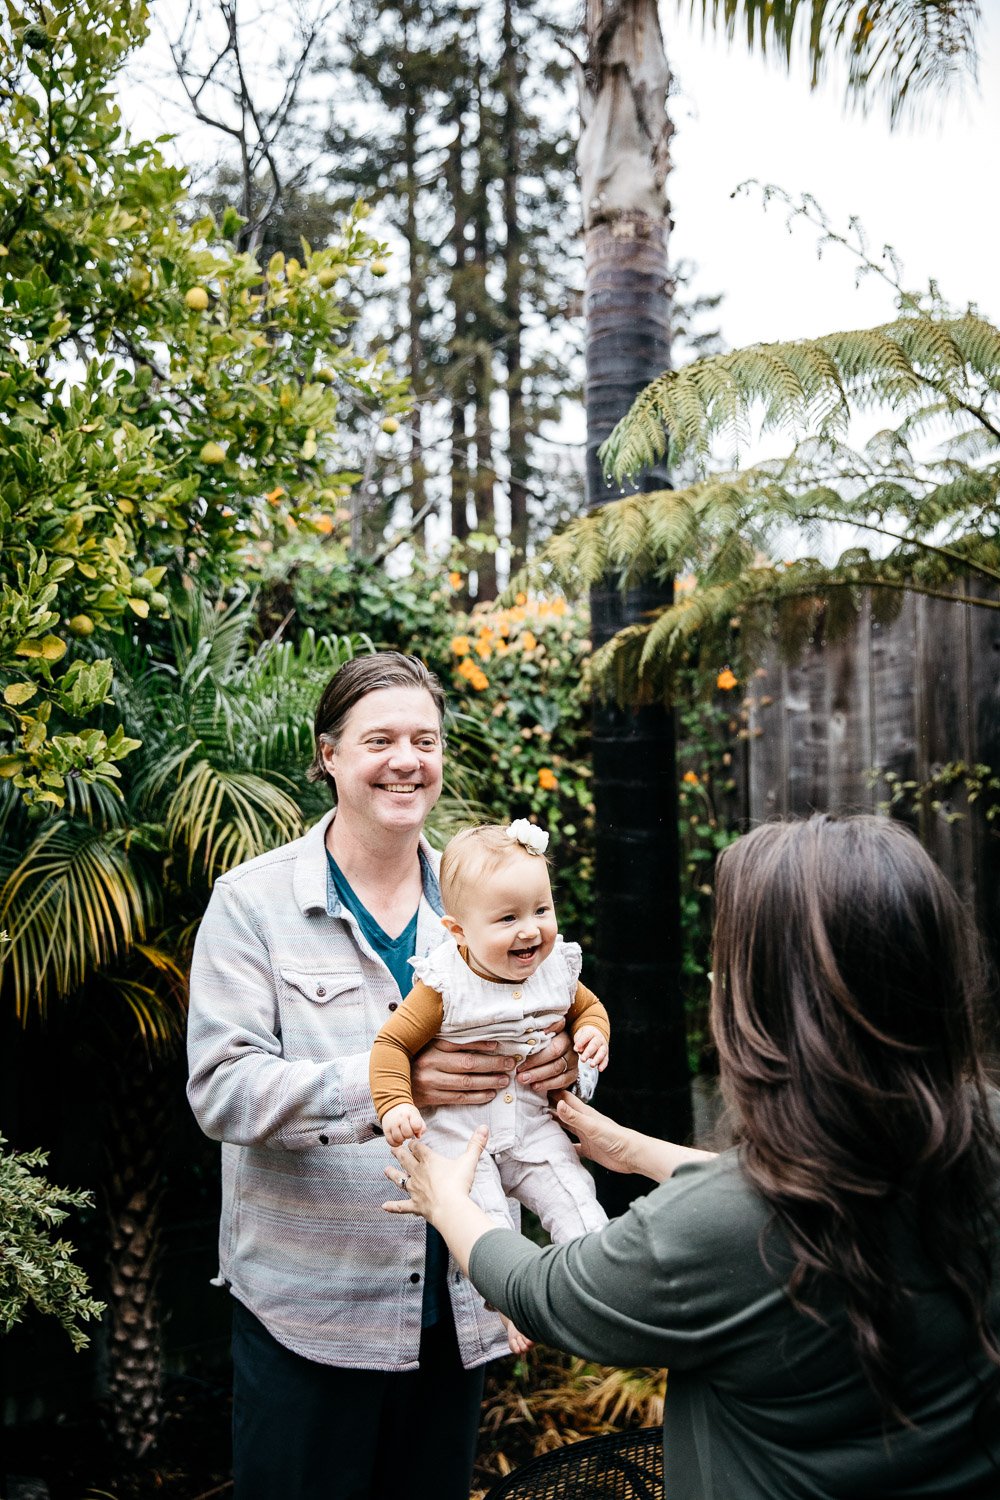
column 404, row 1180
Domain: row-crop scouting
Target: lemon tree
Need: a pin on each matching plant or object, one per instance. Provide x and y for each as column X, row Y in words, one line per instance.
column 167, row 399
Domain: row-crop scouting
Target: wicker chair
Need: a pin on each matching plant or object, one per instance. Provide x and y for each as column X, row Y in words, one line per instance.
column 618, row 1466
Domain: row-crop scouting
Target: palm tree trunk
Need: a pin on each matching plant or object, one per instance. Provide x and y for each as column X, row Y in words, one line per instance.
column 624, row 158
column 138, row 1121
column 517, row 441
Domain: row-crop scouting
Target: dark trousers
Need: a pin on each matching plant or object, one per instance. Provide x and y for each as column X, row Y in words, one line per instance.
column 304, row 1431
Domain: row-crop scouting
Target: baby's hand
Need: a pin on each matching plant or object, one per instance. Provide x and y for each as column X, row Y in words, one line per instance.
column 403, row 1122
column 592, row 1047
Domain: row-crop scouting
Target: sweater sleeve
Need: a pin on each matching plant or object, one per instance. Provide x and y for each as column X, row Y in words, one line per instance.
column 587, row 1010
column 415, row 1023
column 677, row 1280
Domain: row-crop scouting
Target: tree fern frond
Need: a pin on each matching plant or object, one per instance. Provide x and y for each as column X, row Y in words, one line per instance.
column 809, row 384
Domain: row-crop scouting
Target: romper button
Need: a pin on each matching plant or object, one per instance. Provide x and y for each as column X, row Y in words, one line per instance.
column 393, row 1004
column 320, row 991
column 414, row 1276
column 508, row 1098
column 515, row 994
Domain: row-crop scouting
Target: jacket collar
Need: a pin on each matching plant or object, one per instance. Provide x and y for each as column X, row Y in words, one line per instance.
column 313, row 886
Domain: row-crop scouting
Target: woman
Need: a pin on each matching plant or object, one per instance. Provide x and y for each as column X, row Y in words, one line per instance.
column 351, row 1336
column 826, row 1295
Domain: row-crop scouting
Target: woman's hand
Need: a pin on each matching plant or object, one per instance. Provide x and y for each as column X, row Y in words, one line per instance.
column 555, row 1067
column 432, row 1181
column 601, row 1140
column 438, row 1188
column 620, row 1150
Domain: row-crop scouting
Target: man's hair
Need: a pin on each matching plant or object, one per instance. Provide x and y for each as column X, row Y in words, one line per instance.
column 845, row 993
column 352, row 682
column 474, row 854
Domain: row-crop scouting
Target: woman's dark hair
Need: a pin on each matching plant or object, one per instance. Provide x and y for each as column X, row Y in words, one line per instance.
column 355, row 680
column 845, row 997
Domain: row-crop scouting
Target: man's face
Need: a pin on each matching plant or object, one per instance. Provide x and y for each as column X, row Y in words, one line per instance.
column 387, row 764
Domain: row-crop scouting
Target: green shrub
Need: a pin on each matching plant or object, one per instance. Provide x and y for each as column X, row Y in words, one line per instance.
column 35, row 1269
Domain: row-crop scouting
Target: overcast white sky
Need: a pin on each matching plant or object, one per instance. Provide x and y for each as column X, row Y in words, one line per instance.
column 928, row 190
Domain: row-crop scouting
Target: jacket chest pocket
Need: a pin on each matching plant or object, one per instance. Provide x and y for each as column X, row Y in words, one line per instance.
column 323, row 1012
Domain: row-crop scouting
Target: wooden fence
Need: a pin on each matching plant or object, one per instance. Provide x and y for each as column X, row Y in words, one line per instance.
column 906, row 698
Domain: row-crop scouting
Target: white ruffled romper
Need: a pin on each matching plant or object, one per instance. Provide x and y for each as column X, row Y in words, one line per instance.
column 529, row 1156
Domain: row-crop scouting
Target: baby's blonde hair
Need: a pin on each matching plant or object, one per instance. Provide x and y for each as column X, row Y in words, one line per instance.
column 472, row 853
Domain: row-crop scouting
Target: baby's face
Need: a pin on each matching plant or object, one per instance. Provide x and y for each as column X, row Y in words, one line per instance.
column 508, row 920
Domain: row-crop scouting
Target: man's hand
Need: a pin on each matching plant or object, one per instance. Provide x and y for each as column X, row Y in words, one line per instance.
column 450, row 1073
column 591, row 1046
column 555, row 1067
column 402, row 1123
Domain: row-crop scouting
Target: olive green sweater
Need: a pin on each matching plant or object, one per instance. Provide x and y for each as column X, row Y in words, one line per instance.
column 763, row 1402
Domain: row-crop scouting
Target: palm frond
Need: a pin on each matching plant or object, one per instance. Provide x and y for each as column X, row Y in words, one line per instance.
column 897, row 52
column 76, row 901
column 215, row 818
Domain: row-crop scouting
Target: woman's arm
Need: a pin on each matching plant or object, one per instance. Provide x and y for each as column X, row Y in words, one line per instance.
column 599, row 1296
column 613, row 1146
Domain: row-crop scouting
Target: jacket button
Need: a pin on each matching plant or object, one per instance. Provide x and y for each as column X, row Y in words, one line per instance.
column 320, row 990
column 414, row 1277
column 324, row 1140
column 393, row 1004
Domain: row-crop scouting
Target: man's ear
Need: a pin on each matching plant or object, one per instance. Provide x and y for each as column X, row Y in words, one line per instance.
column 454, row 927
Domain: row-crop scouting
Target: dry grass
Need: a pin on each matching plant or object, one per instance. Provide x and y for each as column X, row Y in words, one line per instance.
column 547, row 1400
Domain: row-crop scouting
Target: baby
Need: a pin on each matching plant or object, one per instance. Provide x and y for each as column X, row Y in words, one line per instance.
column 506, row 975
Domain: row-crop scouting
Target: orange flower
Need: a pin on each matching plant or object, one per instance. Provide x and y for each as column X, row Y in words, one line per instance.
column 467, row 668
column 559, row 606
column 479, row 679
column 528, row 642
column 483, row 650
column 273, row 496
column 547, row 779
column 323, row 524
column 521, row 599
column 460, row 645
column 726, row 680
column 691, row 777
column 684, row 584
column 455, row 579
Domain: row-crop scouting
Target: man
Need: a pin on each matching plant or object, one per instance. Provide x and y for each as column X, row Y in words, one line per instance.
column 357, row 1346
